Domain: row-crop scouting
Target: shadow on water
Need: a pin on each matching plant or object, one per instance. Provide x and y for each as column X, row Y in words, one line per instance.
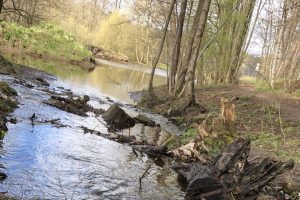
column 64, row 163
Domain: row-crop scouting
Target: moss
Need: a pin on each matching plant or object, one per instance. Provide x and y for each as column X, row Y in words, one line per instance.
column 283, row 154
column 7, row 106
column 214, row 145
column 2, row 134
column 266, row 140
column 5, row 89
column 185, row 138
column 4, row 197
column 172, row 143
column 188, row 135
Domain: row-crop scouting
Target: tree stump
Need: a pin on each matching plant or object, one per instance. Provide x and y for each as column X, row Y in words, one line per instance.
column 228, row 114
column 231, row 176
column 224, row 123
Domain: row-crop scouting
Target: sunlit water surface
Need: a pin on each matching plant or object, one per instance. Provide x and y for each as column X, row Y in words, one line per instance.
column 64, row 163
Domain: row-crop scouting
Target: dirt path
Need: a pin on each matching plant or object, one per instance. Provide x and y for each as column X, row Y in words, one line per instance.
column 289, row 106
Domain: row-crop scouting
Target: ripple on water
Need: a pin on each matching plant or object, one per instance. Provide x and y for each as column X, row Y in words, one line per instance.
column 55, row 163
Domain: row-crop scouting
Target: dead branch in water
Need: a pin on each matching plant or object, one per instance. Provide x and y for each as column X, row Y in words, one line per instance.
column 144, row 174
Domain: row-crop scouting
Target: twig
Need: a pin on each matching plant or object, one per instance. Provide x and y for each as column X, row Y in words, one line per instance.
column 135, row 153
column 106, row 126
column 144, row 174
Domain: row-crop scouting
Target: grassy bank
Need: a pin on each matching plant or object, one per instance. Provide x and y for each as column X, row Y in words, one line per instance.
column 8, row 102
column 273, row 131
column 42, row 39
column 263, row 86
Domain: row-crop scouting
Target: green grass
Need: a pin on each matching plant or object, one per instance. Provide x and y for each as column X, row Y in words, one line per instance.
column 248, row 79
column 263, row 86
column 296, row 93
column 188, row 135
column 185, row 138
column 44, row 38
column 2, row 134
column 63, row 70
column 214, row 145
column 275, row 144
column 162, row 66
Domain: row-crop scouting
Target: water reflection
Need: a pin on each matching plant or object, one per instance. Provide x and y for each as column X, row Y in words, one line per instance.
column 115, row 81
column 64, row 163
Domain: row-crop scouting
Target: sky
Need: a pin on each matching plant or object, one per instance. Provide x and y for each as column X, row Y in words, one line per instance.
column 256, row 44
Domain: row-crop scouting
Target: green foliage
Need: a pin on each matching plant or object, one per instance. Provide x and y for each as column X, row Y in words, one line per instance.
column 214, row 145
column 5, row 89
column 163, row 66
column 172, row 143
column 185, row 138
column 248, row 79
column 266, row 140
column 7, row 106
column 296, row 93
column 51, row 66
column 188, row 135
column 2, row 134
column 137, row 42
column 44, row 38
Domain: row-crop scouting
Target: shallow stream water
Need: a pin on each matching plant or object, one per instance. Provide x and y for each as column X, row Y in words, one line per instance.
column 48, row 162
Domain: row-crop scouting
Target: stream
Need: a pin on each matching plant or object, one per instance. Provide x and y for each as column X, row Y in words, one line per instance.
column 48, row 162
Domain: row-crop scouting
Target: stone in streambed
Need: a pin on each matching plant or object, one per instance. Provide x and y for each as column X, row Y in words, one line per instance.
column 117, row 118
column 143, row 119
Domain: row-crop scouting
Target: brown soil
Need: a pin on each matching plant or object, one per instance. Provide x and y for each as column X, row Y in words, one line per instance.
column 272, row 121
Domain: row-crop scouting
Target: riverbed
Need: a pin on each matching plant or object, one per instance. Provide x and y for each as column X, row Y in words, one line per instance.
column 48, row 162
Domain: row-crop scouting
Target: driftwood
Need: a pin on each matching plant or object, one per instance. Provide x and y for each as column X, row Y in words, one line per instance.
column 193, row 151
column 76, row 105
column 153, row 151
column 144, row 174
column 231, row 176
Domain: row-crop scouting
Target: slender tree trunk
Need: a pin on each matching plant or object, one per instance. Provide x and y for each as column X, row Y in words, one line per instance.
column 293, row 69
column 177, row 47
column 240, row 42
column 189, row 49
column 189, row 89
column 156, row 59
column 1, row 5
column 33, row 13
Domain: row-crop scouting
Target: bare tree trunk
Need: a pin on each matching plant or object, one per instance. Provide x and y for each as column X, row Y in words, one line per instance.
column 189, row 90
column 184, row 67
column 1, row 5
column 177, row 47
column 240, row 42
column 156, row 59
column 33, row 13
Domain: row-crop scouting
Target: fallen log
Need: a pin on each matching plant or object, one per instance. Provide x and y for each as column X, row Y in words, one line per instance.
column 153, row 151
column 76, row 105
column 231, row 176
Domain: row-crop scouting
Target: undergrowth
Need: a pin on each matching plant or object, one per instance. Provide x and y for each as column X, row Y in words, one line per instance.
column 44, row 38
